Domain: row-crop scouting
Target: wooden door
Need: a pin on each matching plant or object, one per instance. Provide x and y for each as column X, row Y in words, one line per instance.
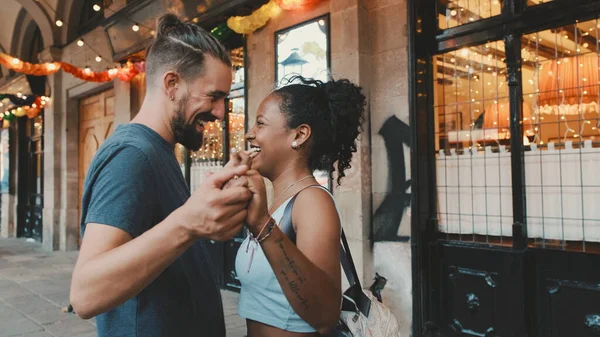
column 96, row 123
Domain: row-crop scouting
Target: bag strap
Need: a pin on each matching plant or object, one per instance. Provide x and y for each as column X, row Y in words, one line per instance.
column 287, row 228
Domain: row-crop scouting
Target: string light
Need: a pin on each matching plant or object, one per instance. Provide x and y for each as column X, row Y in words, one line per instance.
column 87, row 70
column 98, row 58
column 135, row 27
column 59, row 23
column 97, row 7
column 80, row 43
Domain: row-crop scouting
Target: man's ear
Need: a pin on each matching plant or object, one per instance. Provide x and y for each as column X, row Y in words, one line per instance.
column 170, row 82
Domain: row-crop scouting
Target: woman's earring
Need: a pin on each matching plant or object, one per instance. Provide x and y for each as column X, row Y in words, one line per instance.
column 295, row 145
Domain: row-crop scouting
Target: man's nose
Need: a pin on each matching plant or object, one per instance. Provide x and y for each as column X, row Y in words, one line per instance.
column 219, row 110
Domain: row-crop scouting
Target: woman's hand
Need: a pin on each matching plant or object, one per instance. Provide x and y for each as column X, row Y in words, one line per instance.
column 258, row 212
column 238, row 158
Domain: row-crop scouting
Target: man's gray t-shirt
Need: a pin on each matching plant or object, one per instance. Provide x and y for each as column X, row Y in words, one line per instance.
column 134, row 182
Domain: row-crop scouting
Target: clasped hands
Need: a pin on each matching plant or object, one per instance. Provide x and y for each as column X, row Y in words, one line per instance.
column 226, row 200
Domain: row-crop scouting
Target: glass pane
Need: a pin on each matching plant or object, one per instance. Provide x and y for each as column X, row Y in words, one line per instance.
column 472, row 138
column 453, row 13
column 303, row 50
column 237, row 117
column 38, row 126
column 180, row 155
column 561, row 97
column 537, row 2
column 237, row 103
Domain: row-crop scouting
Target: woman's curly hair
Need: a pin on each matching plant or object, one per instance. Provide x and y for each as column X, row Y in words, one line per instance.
column 335, row 112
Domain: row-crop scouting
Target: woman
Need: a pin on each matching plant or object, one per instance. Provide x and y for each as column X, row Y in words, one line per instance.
column 295, row 289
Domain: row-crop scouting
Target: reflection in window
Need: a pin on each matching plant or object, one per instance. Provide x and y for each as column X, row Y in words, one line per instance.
column 303, row 50
column 453, row 13
column 472, row 137
column 561, row 84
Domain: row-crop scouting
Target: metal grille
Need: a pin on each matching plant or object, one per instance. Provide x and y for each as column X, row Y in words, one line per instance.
column 562, row 159
column 471, row 137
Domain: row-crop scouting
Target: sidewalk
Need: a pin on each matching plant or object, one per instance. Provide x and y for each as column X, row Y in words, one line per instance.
column 34, row 286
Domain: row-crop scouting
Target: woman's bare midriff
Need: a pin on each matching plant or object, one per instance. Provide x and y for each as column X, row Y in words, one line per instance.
column 257, row 329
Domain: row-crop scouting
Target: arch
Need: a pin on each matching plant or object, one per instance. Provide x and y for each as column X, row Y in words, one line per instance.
column 41, row 18
column 23, row 36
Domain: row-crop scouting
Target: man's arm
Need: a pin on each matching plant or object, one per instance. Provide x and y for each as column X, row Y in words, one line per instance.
column 113, row 266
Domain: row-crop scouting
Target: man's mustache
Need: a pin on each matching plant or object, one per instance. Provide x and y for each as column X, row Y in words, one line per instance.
column 205, row 117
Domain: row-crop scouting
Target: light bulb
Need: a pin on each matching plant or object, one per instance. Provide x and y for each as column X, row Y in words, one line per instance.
column 80, row 43
column 59, row 23
column 98, row 59
column 135, row 27
column 97, row 7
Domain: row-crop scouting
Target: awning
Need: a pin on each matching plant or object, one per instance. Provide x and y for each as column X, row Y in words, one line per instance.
column 124, row 41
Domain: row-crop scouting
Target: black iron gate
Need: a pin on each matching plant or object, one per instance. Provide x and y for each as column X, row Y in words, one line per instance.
column 506, row 223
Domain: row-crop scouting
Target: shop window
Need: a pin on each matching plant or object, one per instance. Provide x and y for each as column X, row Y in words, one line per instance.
column 561, row 87
column 454, row 13
column 222, row 136
column 472, row 138
column 304, row 50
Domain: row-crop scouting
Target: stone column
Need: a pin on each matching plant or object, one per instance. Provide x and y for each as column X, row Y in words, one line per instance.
column 350, row 58
column 123, row 111
column 53, row 134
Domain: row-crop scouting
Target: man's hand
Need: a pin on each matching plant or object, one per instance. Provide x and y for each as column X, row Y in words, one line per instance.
column 214, row 212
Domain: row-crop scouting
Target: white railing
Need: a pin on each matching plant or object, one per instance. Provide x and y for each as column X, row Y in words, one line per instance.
column 200, row 169
column 562, row 192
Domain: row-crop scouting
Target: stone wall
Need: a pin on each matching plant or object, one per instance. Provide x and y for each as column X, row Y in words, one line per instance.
column 389, row 103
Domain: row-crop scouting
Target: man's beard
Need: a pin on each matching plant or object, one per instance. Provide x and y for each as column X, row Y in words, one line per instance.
column 186, row 134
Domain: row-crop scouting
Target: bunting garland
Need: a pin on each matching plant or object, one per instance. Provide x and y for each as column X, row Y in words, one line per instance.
column 292, row 5
column 21, row 105
column 254, row 21
column 125, row 73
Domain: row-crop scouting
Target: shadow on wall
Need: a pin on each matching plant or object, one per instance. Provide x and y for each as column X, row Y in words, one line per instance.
column 391, row 213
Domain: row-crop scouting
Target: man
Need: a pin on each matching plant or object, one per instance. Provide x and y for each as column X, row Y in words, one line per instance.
column 143, row 267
